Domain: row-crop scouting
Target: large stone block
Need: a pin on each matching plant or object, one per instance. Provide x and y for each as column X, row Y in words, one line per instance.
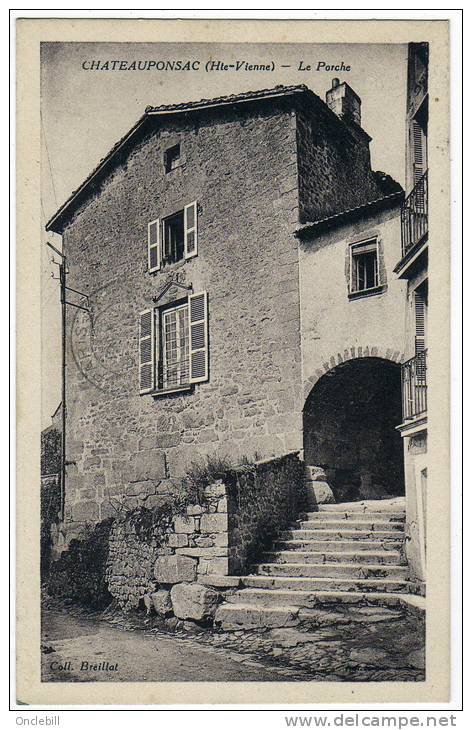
column 161, row 602
column 194, row 601
column 85, row 512
column 213, row 566
column 203, row 552
column 185, row 525
column 147, row 465
column 319, row 493
column 175, row 569
column 214, row 522
column 178, row 541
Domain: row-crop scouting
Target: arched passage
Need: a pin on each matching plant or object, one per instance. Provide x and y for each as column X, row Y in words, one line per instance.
column 349, row 423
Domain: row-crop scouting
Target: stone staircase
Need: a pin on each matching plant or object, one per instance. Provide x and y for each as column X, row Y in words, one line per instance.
column 351, row 552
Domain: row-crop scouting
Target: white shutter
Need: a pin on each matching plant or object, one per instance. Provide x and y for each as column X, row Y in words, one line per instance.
column 191, row 230
column 146, row 351
column 198, row 336
column 154, row 245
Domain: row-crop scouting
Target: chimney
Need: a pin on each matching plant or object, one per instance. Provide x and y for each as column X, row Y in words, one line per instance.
column 344, row 102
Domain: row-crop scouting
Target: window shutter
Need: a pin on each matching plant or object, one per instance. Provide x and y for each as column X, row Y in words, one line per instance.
column 191, row 232
column 420, row 333
column 198, row 336
column 146, row 351
column 154, row 245
column 419, row 151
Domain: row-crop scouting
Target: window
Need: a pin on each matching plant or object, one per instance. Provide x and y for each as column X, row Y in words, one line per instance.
column 421, row 315
column 173, row 345
column 172, row 158
column 364, row 266
column 173, row 238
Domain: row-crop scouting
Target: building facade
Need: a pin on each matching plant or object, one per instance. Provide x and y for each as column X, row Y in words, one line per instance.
column 412, row 268
column 238, row 256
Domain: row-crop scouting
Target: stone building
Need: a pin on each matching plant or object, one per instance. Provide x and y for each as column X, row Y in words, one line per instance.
column 184, row 240
column 238, row 256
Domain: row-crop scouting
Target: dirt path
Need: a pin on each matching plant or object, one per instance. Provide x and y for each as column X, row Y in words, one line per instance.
column 114, row 655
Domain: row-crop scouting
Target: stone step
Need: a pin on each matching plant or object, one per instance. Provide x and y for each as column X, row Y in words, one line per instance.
column 395, row 504
column 332, row 570
column 341, row 534
column 249, row 616
column 381, row 557
column 354, row 516
column 323, row 584
column 363, row 525
column 338, row 545
column 309, row 599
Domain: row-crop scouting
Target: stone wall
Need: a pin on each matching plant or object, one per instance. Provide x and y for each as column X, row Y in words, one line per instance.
column 209, row 543
column 194, row 547
column 416, row 465
column 263, row 500
column 334, row 164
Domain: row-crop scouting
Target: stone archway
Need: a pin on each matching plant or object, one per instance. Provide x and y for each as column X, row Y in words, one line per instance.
column 349, row 421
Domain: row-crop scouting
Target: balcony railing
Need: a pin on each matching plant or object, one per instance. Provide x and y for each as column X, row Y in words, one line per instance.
column 415, row 215
column 414, row 388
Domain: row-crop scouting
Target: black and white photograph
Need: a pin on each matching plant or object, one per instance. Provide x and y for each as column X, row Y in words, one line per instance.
column 235, row 361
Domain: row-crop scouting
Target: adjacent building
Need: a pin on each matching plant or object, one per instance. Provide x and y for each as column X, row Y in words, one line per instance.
column 412, row 268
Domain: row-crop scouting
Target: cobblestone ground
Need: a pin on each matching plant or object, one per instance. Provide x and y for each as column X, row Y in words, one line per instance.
column 355, row 644
column 363, row 644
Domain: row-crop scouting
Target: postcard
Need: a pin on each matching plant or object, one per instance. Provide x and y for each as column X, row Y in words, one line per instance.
column 233, row 379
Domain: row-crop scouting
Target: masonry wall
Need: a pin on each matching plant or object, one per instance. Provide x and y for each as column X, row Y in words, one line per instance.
column 210, row 543
column 416, row 463
column 334, row 164
column 241, row 167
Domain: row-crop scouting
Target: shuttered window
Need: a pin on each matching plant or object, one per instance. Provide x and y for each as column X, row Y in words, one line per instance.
column 173, row 345
column 418, row 151
column 191, row 234
column 146, row 351
column 154, row 245
column 198, row 325
column 173, row 238
column 420, row 323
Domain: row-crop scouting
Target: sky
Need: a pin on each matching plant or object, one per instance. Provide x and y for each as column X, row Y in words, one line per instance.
column 84, row 112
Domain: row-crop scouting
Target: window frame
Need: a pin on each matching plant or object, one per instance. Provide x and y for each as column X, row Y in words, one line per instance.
column 188, row 230
column 163, row 312
column 167, row 167
column 379, row 285
column 163, row 237
column 159, row 345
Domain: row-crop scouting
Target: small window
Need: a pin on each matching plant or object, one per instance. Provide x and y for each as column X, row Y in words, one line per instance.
column 172, row 158
column 364, row 266
column 173, row 238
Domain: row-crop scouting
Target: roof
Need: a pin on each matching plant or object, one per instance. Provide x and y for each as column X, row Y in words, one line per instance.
column 230, row 99
column 371, row 207
column 56, row 222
